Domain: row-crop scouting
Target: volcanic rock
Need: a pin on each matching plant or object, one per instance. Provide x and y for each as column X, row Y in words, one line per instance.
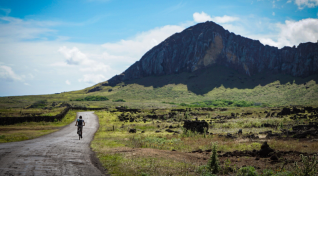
column 196, row 126
column 265, row 150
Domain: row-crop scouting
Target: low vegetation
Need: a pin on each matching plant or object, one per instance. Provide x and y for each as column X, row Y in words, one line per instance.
column 119, row 100
column 92, row 98
column 154, row 142
column 219, row 103
column 30, row 130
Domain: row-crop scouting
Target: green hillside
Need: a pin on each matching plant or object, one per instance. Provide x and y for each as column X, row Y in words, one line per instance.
column 214, row 83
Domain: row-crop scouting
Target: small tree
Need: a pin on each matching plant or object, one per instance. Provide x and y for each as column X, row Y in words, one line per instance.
column 213, row 164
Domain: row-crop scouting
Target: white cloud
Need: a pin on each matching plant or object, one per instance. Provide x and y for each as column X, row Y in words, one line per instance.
column 225, row 19
column 92, row 78
column 6, row 73
column 294, row 32
column 17, row 29
column 142, row 42
column 273, row 13
column 27, row 84
column 203, row 17
column 67, row 82
column 305, row 3
column 73, row 56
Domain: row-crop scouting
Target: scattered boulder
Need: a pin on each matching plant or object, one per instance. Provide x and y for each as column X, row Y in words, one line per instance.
column 285, row 111
column 229, row 135
column 304, row 127
column 196, row 126
column 266, row 125
column 269, row 135
column 169, row 130
column 265, row 150
column 251, row 136
column 274, row 158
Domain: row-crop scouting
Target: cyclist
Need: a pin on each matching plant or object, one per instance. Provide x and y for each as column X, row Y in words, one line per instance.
column 80, row 123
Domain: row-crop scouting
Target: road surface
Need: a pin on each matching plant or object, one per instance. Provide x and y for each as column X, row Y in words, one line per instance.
column 57, row 154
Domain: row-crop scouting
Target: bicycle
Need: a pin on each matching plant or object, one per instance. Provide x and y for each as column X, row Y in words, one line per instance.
column 80, row 123
column 80, row 132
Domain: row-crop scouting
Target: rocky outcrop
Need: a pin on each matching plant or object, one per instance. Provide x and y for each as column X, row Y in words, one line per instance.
column 95, row 89
column 206, row 44
column 196, row 126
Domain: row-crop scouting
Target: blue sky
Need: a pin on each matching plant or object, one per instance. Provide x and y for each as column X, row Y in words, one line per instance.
column 55, row 46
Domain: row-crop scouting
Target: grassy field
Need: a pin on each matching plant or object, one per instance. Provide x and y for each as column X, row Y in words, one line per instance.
column 30, row 130
column 154, row 151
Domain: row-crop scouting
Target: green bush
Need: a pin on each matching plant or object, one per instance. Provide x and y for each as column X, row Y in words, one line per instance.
column 39, row 104
column 247, row 171
column 308, row 167
column 92, row 98
column 172, row 103
column 119, row 100
column 204, row 170
column 220, row 103
column 268, row 172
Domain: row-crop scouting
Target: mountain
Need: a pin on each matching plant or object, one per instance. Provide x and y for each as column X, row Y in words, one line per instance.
column 207, row 45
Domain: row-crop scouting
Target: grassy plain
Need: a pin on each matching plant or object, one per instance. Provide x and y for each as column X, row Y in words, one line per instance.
column 152, row 150
column 30, row 130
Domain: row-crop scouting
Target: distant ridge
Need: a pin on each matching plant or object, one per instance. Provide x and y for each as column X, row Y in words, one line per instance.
column 209, row 44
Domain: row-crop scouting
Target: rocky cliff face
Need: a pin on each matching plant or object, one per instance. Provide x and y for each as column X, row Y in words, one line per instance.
column 208, row 43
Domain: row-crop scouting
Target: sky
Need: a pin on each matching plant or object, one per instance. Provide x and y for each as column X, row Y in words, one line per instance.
column 51, row 46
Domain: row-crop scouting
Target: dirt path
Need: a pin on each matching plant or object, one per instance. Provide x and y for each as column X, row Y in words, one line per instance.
column 59, row 153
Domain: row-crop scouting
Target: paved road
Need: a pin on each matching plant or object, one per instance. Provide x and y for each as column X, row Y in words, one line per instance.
column 59, row 153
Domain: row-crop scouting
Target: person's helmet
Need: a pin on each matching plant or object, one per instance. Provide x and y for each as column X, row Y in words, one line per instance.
column 80, row 117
